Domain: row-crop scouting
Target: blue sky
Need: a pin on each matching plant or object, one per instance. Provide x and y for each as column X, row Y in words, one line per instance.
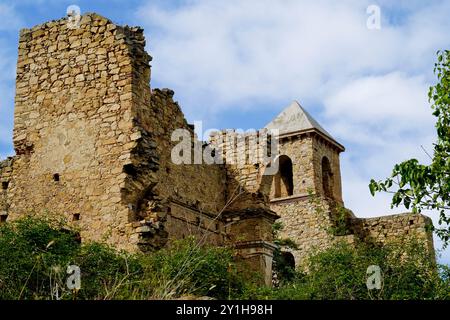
column 239, row 63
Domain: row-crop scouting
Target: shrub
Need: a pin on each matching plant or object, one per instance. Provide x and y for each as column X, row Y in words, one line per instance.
column 106, row 273
column 35, row 253
column 186, row 268
column 30, row 250
column 408, row 272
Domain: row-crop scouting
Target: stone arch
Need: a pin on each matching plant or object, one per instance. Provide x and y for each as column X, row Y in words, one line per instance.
column 288, row 259
column 327, row 178
column 283, row 266
column 283, row 180
column 280, row 181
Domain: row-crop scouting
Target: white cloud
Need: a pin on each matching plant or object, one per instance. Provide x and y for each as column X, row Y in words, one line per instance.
column 241, row 50
column 373, row 98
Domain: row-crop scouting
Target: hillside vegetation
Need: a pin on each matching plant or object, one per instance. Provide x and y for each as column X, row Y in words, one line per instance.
column 35, row 254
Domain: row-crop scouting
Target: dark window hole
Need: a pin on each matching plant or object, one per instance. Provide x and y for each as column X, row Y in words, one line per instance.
column 130, row 170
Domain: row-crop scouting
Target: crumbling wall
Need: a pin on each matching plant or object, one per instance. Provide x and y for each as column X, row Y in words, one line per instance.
column 192, row 194
column 94, row 143
column 316, row 223
column 398, row 227
column 243, row 157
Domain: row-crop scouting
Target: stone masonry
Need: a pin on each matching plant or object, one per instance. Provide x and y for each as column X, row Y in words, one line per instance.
column 93, row 145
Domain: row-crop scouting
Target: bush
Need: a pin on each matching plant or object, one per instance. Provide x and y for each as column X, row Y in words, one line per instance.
column 185, row 268
column 106, row 273
column 408, row 272
column 35, row 253
column 30, row 251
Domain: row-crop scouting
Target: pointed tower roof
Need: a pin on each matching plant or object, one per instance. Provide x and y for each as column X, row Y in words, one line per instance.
column 294, row 119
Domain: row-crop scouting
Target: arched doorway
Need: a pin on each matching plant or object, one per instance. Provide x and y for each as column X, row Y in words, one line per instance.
column 283, row 266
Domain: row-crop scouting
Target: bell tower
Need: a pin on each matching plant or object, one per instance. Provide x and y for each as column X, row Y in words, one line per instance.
column 306, row 189
column 308, row 157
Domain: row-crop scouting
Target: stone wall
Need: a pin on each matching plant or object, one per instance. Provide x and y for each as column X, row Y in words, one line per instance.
column 73, row 127
column 313, row 223
column 309, row 222
column 398, row 227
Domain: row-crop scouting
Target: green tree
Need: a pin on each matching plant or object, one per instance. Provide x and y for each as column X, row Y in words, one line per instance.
column 420, row 186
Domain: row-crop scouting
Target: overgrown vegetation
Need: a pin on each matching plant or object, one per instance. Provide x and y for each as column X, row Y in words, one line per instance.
column 408, row 272
column 283, row 269
column 35, row 253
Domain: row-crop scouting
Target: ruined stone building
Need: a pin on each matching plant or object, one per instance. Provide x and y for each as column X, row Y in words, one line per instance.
column 93, row 144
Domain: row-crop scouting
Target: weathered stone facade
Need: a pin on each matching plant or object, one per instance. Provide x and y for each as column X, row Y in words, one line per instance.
column 93, row 144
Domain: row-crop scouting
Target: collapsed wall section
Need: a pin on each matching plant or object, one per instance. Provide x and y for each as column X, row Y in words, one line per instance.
column 242, row 155
column 187, row 198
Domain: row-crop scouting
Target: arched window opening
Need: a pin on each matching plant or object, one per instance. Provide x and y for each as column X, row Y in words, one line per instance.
column 327, row 178
column 283, row 266
column 289, row 259
column 284, row 185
